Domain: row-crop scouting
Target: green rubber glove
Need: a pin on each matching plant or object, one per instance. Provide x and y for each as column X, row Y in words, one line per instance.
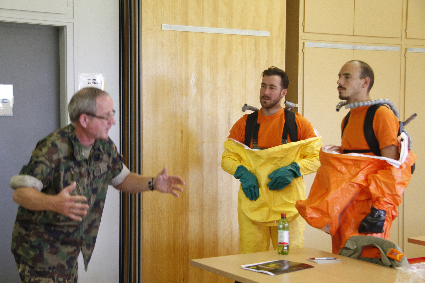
column 282, row 177
column 248, row 181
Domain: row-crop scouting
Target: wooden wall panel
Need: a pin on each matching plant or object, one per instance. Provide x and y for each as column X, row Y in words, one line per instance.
column 194, row 86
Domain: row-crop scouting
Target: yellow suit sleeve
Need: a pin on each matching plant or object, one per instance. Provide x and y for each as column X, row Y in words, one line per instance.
column 230, row 162
column 309, row 158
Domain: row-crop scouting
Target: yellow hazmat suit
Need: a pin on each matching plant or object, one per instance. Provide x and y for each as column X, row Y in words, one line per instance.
column 256, row 217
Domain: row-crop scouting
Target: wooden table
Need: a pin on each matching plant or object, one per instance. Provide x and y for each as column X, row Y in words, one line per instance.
column 417, row 240
column 348, row 270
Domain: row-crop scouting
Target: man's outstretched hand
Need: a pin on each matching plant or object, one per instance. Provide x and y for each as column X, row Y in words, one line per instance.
column 168, row 184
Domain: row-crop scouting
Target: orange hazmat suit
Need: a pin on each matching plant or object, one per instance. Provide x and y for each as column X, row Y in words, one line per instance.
column 347, row 185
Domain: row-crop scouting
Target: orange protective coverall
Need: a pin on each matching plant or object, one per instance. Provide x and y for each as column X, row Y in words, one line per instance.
column 347, row 185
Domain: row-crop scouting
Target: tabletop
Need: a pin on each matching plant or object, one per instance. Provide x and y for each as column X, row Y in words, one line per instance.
column 348, row 270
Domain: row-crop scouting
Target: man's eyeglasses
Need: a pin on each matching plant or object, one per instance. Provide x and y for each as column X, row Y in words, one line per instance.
column 107, row 118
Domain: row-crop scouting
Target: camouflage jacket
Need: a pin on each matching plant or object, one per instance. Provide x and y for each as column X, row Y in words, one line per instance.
column 46, row 239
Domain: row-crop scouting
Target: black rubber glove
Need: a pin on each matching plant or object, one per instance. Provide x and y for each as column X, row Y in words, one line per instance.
column 373, row 222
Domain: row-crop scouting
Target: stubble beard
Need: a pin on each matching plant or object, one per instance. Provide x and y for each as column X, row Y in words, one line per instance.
column 342, row 97
column 273, row 103
column 341, row 94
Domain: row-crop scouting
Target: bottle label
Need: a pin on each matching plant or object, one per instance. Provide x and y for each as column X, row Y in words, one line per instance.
column 283, row 238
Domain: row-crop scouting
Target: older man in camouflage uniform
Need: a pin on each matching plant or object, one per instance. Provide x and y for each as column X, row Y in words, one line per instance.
column 61, row 191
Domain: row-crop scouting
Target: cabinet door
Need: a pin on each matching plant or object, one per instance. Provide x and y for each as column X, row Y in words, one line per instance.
column 414, row 210
column 321, row 68
column 378, row 18
column 386, row 67
column 415, row 19
column 329, row 16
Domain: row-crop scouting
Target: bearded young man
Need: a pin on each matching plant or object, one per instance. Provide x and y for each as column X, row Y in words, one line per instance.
column 271, row 178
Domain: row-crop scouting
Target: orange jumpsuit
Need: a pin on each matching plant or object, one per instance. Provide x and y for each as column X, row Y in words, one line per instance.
column 256, row 220
column 346, row 186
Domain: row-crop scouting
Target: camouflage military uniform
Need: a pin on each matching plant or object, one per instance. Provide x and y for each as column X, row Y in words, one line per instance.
column 48, row 243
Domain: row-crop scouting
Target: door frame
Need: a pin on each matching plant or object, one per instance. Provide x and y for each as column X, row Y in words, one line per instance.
column 66, row 61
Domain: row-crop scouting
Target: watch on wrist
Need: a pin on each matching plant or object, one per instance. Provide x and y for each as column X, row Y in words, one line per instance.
column 150, row 184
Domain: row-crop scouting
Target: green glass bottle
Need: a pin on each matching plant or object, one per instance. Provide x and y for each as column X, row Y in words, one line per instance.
column 283, row 235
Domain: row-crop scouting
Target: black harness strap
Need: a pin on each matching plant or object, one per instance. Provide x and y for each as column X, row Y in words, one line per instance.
column 251, row 123
column 289, row 129
column 368, row 132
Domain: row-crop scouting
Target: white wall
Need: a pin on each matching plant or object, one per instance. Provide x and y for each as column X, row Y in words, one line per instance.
column 96, row 50
column 92, row 34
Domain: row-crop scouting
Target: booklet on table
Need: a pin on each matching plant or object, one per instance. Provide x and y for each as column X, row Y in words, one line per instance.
column 276, row 267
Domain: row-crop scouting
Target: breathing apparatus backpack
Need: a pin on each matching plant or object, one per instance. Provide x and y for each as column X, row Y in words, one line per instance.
column 368, row 132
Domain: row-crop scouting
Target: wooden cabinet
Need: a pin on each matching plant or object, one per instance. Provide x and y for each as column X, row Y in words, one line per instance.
column 324, row 34
column 354, row 17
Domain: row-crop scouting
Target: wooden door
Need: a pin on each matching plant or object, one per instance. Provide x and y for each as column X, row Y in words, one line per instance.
column 194, row 86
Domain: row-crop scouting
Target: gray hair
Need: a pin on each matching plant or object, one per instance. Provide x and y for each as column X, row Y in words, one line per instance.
column 84, row 102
